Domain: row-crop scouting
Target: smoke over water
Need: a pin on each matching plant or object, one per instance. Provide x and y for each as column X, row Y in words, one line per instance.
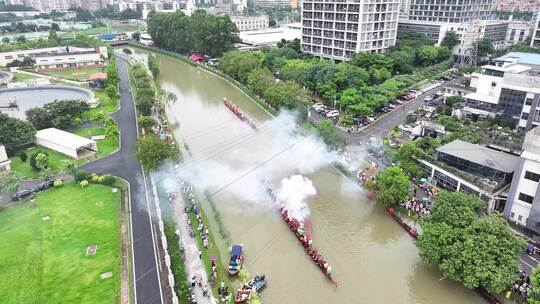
column 293, row 194
column 272, row 154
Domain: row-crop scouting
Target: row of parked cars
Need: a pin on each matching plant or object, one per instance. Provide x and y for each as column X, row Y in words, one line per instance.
column 324, row 110
column 26, row 192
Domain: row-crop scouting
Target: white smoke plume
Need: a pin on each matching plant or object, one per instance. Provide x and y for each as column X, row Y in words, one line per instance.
column 275, row 152
column 293, row 193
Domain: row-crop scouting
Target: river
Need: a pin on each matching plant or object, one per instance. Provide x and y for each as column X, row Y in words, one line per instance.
column 373, row 259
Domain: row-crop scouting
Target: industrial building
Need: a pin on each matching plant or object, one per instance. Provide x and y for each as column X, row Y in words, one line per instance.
column 10, row 56
column 66, row 143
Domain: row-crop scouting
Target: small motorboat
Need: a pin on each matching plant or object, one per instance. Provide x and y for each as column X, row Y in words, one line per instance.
column 247, row 290
column 236, row 260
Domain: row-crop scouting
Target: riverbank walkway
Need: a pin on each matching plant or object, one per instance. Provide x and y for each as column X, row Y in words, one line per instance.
column 194, row 265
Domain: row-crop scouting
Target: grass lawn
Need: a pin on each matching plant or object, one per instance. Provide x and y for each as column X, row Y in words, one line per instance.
column 20, row 77
column 45, row 261
column 56, row 162
column 76, row 74
column 105, row 146
column 92, row 31
column 106, row 104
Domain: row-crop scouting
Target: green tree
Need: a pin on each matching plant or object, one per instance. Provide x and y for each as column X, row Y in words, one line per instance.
column 153, row 65
column 406, row 159
column 330, row 134
column 484, row 47
column 451, row 101
column 42, row 161
column 14, row 131
column 259, row 80
column 10, row 182
column 294, row 69
column 112, row 91
column 469, row 248
column 427, row 54
column 151, row 151
column 69, row 167
column 393, row 186
column 450, row 40
column 146, row 122
column 288, row 94
column 533, row 297
column 239, row 64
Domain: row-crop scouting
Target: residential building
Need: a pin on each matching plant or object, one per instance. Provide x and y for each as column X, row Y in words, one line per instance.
column 508, row 91
column 5, row 162
column 60, row 5
column 523, row 204
column 498, row 31
column 473, row 169
column 144, row 7
column 250, row 23
column 337, row 30
column 8, row 57
column 453, row 11
column 404, row 7
column 535, row 41
column 272, row 3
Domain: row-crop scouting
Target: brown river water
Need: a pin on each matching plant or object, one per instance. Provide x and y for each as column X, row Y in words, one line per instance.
column 374, row 260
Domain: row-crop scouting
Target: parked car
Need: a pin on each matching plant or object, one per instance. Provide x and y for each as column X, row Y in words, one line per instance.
column 46, row 184
column 439, row 93
column 332, row 114
column 317, row 105
column 428, row 99
column 23, row 193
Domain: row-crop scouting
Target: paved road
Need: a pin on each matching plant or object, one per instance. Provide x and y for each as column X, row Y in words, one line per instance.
column 123, row 164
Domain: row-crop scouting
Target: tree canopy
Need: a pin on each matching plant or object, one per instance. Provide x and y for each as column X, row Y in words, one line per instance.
column 202, row 33
column 468, row 247
column 14, row 131
column 151, row 151
column 392, row 186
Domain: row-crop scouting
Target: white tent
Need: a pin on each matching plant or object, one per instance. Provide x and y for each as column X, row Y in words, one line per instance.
column 66, row 143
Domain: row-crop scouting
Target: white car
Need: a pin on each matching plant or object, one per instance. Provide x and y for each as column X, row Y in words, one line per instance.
column 317, row 105
column 332, row 114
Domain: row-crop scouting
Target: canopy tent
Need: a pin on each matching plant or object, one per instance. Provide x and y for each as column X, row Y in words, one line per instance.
column 66, row 143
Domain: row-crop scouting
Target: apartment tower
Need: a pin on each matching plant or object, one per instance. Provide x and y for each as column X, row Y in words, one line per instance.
column 338, row 29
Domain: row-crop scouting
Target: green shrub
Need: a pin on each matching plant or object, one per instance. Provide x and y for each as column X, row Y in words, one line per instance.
column 83, row 183
column 33, row 163
column 107, row 180
column 58, row 183
column 80, row 175
column 23, row 156
column 95, row 178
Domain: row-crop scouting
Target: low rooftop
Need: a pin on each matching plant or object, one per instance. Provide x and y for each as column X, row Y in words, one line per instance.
column 481, row 155
column 521, row 57
column 63, row 138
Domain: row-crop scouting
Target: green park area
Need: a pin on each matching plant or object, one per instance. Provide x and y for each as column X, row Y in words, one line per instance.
column 76, row 74
column 106, row 104
column 43, row 257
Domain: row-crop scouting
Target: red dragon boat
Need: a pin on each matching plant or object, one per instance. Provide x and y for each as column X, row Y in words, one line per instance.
column 236, row 110
column 297, row 228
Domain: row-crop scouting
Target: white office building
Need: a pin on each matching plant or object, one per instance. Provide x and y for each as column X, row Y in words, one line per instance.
column 250, row 23
column 508, row 90
column 523, row 204
column 339, row 29
column 535, row 41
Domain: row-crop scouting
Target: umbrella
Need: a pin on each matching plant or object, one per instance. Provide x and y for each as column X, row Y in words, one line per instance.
column 423, row 179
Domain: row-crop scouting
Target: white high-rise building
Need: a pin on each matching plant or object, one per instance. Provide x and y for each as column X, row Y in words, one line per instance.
column 455, row 11
column 339, row 29
column 535, row 41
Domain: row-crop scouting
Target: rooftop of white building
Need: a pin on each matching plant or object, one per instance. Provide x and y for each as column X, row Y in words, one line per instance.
column 521, row 57
column 270, row 36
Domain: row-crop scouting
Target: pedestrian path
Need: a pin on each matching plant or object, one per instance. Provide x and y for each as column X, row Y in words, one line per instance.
column 194, row 265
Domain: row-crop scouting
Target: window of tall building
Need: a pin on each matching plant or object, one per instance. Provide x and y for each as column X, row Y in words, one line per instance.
column 526, row 198
column 532, row 176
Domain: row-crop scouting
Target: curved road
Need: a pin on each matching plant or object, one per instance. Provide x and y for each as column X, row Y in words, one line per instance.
column 123, row 164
